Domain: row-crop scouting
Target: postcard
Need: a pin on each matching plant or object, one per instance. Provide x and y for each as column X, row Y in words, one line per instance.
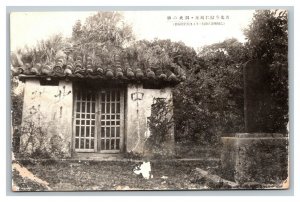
column 149, row 100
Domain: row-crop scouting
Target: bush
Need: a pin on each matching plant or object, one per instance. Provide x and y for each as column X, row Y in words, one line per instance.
column 160, row 123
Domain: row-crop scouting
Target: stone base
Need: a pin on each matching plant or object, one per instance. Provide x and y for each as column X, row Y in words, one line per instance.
column 255, row 157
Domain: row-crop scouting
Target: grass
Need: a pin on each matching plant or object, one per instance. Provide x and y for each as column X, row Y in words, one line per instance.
column 112, row 175
column 194, row 150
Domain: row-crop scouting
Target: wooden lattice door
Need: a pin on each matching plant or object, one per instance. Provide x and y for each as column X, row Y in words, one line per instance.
column 98, row 124
column 85, row 121
column 111, row 121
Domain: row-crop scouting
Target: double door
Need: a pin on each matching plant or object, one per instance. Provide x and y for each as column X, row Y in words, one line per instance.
column 98, row 120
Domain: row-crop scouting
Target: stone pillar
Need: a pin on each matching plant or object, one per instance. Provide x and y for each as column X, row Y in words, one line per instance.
column 257, row 96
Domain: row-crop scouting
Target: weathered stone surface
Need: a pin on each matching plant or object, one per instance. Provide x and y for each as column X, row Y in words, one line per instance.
column 257, row 97
column 139, row 101
column 255, row 158
column 258, row 156
column 47, row 118
column 48, row 110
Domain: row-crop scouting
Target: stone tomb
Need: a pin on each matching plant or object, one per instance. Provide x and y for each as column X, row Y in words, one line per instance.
column 87, row 109
column 257, row 156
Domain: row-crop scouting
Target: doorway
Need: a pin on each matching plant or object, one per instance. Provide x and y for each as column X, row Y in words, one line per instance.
column 98, row 120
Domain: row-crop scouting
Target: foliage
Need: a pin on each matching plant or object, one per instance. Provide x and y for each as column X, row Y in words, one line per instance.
column 36, row 143
column 102, row 36
column 210, row 102
column 116, row 38
column 267, row 36
column 17, row 94
column 16, row 103
column 35, row 140
column 55, row 146
column 163, row 54
column 268, row 41
column 160, row 123
column 105, row 35
column 103, row 29
column 47, row 50
column 44, row 52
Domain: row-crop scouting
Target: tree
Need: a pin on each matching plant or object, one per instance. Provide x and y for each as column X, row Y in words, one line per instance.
column 210, row 102
column 267, row 36
column 44, row 52
column 102, row 36
column 268, row 41
column 161, row 55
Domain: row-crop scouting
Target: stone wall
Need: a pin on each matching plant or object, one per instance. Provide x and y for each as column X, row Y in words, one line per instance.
column 47, row 118
column 138, row 110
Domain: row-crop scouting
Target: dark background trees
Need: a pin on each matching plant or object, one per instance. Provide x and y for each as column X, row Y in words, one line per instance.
column 267, row 40
column 210, row 102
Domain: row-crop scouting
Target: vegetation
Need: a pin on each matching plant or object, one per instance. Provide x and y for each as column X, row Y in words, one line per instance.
column 102, row 37
column 37, row 143
column 160, row 125
column 212, row 94
column 268, row 41
column 210, row 102
column 111, row 175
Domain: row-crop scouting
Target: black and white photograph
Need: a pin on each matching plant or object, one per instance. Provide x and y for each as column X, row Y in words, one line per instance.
column 156, row 100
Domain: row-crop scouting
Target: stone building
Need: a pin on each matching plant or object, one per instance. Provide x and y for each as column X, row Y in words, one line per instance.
column 76, row 107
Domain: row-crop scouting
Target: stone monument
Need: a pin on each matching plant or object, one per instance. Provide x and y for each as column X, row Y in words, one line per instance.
column 256, row 156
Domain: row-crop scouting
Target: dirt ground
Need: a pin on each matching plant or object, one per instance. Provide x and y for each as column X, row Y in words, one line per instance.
column 109, row 175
